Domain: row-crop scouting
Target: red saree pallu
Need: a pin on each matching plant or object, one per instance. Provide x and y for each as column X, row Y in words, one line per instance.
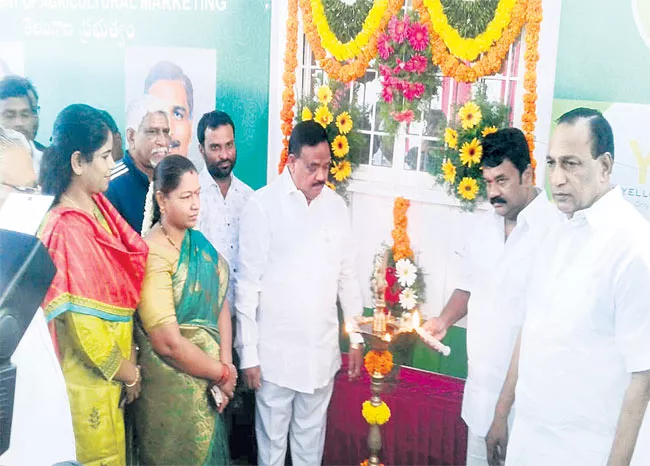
column 98, row 273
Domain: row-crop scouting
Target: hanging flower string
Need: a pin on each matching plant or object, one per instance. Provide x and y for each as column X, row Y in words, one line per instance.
column 289, row 79
column 469, row 48
column 354, row 47
column 531, row 57
column 355, row 68
column 401, row 242
column 489, row 62
column 408, row 78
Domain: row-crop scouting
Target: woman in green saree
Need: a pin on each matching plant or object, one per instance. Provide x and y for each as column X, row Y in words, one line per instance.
column 183, row 330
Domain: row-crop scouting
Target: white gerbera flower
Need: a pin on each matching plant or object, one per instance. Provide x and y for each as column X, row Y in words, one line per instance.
column 408, row 299
column 406, row 272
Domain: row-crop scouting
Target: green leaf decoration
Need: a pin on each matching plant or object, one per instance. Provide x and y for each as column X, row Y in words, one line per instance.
column 469, row 17
column 346, row 21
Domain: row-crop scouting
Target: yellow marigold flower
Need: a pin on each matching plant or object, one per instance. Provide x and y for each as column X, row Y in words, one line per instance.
column 489, row 130
column 324, row 95
column 470, row 115
column 344, row 123
column 378, row 415
column 451, row 137
column 323, row 116
column 330, row 185
column 449, row 171
column 341, row 170
column 306, row 114
column 471, row 153
column 468, row 188
column 340, row 146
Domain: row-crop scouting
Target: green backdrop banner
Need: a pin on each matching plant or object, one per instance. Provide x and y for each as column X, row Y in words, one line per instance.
column 101, row 52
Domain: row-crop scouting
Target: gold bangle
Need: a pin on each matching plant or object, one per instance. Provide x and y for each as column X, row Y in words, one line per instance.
column 137, row 378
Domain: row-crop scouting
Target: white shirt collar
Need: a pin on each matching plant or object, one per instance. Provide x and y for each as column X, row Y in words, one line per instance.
column 599, row 213
column 288, row 185
column 206, row 177
column 530, row 214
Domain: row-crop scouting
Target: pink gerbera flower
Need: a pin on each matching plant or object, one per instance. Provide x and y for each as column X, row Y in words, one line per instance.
column 409, row 93
column 398, row 30
column 418, row 37
column 417, row 64
column 406, row 116
column 387, row 94
column 383, row 47
column 385, row 71
column 418, row 90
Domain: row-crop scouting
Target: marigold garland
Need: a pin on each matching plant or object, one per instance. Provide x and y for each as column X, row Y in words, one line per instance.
column 375, row 415
column 401, row 242
column 355, row 68
column 354, row 47
column 531, row 57
column 367, row 463
column 289, row 79
column 471, row 47
column 380, row 362
column 490, row 62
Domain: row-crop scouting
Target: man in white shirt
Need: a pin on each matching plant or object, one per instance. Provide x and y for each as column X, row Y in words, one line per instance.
column 223, row 195
column 296, row 257
column 582, row 372
column 495, row 273
column 41, row 432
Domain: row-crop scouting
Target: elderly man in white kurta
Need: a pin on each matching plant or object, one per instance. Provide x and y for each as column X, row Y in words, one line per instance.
column 584, row 363
column 495, row 274
column 296, row 257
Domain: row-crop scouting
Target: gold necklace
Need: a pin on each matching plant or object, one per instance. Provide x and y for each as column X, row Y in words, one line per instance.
column 74, row 203
column 171, row 241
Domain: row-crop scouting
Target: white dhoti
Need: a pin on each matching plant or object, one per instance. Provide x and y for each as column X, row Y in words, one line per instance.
column 281, row 411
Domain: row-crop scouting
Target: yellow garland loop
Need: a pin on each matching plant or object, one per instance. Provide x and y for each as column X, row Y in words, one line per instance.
column 354, row 47
column 375, row 415
column 469, row 48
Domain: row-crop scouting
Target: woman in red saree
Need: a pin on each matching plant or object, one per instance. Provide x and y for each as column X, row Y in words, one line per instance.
column 100, row 264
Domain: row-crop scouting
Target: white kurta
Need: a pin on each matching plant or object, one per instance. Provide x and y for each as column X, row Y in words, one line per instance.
column 219, row 219
column 587, row 328
column 295, row 259
column 497, row 273
column 41, row 433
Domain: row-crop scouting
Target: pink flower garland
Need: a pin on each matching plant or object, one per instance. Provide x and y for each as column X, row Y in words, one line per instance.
column 404, row 61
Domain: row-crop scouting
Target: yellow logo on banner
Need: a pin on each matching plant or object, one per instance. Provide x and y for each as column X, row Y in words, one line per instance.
column 642, row 161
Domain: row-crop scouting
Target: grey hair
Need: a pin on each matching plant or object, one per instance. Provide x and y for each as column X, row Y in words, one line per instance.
column 10, row 139
column 143, row 106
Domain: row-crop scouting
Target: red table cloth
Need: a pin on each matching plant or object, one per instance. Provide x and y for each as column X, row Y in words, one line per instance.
column 425, row 427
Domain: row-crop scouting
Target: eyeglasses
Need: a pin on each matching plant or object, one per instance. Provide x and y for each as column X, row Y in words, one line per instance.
column 23, row 189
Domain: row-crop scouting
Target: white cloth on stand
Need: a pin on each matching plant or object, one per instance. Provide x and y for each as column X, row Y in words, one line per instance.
column 587, row 329
column 41, row 433
column 280, row 410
